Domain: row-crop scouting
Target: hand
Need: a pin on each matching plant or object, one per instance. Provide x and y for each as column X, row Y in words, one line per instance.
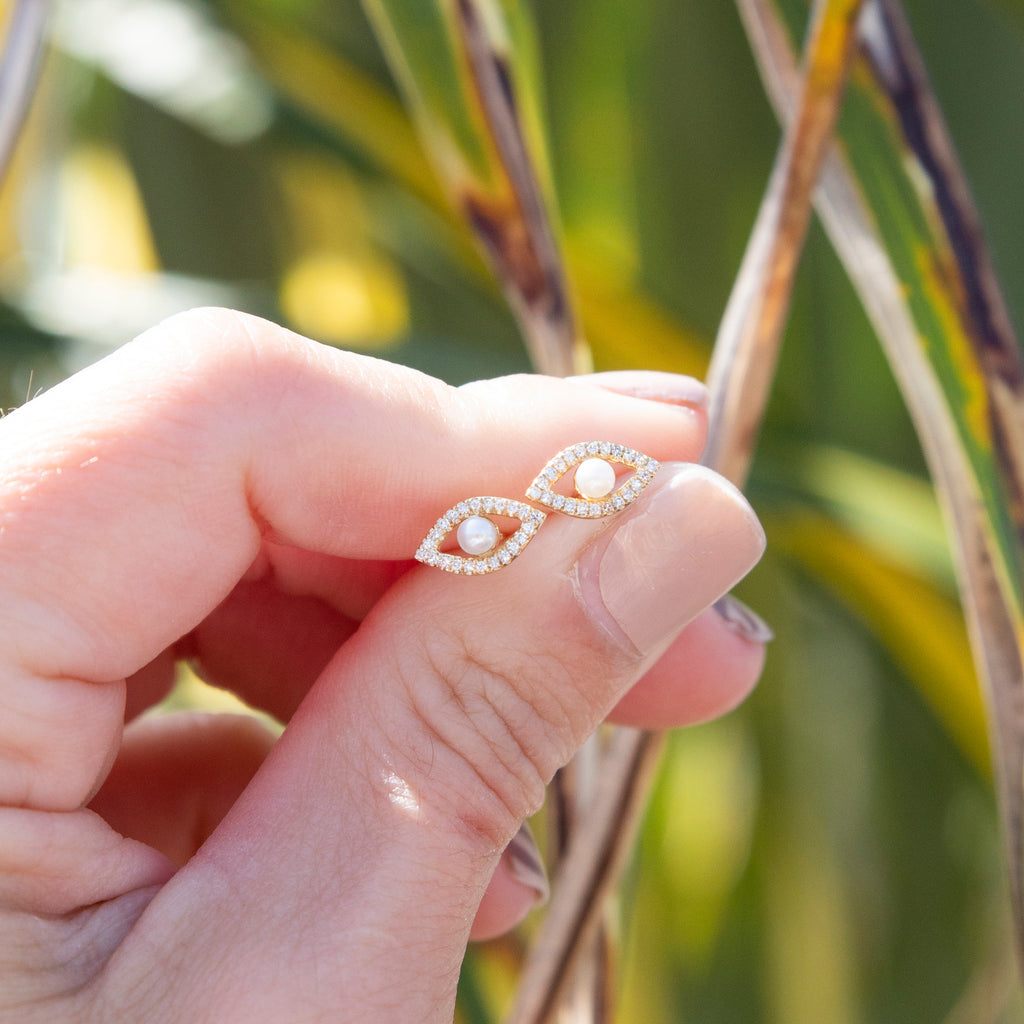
column 223, row 490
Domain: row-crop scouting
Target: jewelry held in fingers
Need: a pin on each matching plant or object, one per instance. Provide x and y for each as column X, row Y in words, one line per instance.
column 598, row 488
column 483, row 547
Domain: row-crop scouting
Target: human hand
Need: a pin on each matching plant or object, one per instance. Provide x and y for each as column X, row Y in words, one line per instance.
column 223, row 490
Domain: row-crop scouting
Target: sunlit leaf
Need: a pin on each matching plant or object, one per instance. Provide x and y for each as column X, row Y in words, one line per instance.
column 467, row 69
column 23, row 26
column 741, row 373
column 345, row 99
column 926, row 219
column 897, row 207
column 923, row 631
column 746, row 349
column 625, row 327
column 339, row 285
column 107, row 225
column 894, row 513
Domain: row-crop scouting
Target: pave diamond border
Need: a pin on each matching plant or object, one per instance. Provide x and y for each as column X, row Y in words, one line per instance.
column 429, row 552
column 644, row 466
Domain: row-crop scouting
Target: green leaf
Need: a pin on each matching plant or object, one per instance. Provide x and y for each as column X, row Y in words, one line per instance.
column 625, row 326
column 468, row 70
column 897, row 207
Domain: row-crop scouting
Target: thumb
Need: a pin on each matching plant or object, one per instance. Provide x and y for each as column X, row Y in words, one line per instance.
column 367, row 839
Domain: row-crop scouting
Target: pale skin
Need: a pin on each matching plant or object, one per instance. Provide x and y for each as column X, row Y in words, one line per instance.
column 225, row 491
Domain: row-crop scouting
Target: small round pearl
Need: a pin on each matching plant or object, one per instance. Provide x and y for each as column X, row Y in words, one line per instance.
column 594, row 478
column 477, row 535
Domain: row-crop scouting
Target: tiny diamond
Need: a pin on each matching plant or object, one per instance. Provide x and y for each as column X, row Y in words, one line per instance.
column 579, row 452
column 593, row 447
column 534, row 492
column 504, row 556
column 493, row 562
column 618, row 451
column 618, row 503
column 606, row 448
column 513, row 547
column 559, row 501
column 560, row 465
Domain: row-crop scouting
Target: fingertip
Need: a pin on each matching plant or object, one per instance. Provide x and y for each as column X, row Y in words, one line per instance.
column 743, row 620
column 652, row 386
column 519, row 885
column 710, row 669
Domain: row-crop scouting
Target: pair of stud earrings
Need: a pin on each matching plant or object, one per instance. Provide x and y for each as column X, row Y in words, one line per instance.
column 599, row 492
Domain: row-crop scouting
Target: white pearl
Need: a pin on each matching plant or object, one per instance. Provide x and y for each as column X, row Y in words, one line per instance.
column 477, row 535
column 594, row 478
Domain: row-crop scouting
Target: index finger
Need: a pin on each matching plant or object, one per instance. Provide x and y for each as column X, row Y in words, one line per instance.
column 135, row 495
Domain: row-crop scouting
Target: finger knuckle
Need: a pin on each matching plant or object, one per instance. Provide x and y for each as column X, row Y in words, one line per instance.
column 500, row 731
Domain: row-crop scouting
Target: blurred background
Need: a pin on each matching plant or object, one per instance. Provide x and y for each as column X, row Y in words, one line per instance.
column 827, row 853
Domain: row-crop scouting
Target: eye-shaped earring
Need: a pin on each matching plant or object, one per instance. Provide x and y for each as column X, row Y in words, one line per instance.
column 600, row 493
column 595, row 480
column 478, row 535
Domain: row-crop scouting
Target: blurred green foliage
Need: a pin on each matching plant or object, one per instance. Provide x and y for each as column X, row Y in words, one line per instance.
column 828, row 852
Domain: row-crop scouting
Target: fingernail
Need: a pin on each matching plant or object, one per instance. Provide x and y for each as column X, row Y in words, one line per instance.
column 673, row 555
column 652, row 385
column 526, row 864
column 743, row 621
